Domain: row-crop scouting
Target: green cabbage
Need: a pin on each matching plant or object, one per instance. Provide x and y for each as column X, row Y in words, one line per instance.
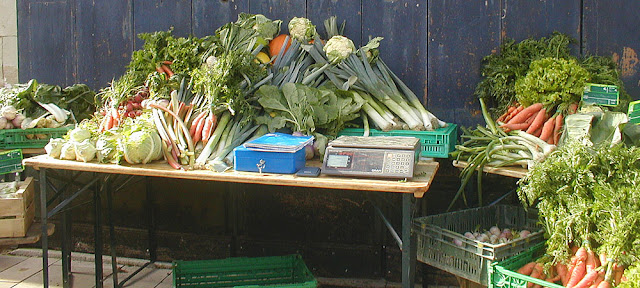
column 79, row 134
column 265, row 27
column 68, row 151
column 142, row 146
column 107, row 148
column 54, row 147
column 85, row 151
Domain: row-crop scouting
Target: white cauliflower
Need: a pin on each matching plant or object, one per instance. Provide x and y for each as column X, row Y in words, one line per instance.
column 339, row 48
column 302, row 29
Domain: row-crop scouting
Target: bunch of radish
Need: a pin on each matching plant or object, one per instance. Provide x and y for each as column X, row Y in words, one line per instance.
column 494, row 235
column 132, row 107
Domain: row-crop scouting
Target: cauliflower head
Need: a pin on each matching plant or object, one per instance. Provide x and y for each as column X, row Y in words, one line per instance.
column 339, row 48
column 302, row 29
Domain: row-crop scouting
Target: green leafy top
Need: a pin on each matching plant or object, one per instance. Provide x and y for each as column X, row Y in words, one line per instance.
column 305, row 109
column 552, row 81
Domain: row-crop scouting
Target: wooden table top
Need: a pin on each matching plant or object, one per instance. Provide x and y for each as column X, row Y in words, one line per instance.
column 424, row 174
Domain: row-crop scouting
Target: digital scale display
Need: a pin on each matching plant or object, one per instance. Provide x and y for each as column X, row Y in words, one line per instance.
column 385, row 157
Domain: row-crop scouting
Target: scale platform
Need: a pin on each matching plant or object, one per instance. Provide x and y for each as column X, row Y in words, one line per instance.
column 376, row 156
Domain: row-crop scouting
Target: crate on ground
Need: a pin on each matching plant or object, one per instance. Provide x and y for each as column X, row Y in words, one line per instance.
column 437, row 143
column 17, row 212
column 30, row 138
column 470, row 260
column 277, row 271
column 502, row 274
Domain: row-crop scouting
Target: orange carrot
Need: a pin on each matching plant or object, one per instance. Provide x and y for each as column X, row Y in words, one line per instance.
column 547, row 128
column 503, row 116
column 573, row 108
column 618, row 271
column 537, row 121
column 586, row 281
column 526, row 113
column 562, row 272
column 515, row 126
column 603, row 259
column 580, row 269
column 527, row 268
column 518, row 109
column 535, row 274
column 167, row 62
column 557, row 129
column 598, row 280
column 197, row 135
column 207, row 129
column 554, row 279
column 538, row 131
column 159, row 70
column 194, row 124
column 167, row 70
column 604, row 284
column 591, row 261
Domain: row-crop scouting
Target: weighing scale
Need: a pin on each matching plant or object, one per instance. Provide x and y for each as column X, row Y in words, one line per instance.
column 376, row 156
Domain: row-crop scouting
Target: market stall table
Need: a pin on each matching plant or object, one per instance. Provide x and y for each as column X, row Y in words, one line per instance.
column 510, row 171
column 105, row 173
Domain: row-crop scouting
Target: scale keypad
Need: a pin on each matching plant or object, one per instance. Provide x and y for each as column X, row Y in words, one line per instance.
column 398, row 163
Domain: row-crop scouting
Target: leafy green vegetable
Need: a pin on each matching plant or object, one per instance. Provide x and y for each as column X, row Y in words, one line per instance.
column 265, row 27
column 631, row 134
column 604, row 70
column 588, row 195
column 78, row 98
column 305, row 109
column 501, row 70
column 140, row 141
column 552, row 81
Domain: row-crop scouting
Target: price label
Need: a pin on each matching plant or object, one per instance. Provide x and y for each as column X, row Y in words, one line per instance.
column 606, row 95
column 634, row 112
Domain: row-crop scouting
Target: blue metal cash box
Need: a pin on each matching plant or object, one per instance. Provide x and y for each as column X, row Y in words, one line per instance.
column 268, row 162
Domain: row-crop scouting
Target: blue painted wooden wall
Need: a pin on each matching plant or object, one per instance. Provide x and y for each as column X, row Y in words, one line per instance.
column 435, row 46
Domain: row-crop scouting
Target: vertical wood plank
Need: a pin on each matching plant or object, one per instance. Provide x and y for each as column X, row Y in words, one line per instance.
column 45, row 42
column 460, row 34
column 279, row 9
column 345, row 10
column 210, row 15
column 160, row 15
column 104, row 40
column 524, row 19
column 403, row 24
column 611, row 29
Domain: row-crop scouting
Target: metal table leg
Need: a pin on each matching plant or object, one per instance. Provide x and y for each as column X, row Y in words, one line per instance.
column 43, row 216
column 151, row 213
column 408, row 243
column 98, row 232
column 66, row 244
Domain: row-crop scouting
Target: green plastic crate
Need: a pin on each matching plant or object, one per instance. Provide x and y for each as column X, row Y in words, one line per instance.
column 277, row 271
column 471, row 260
column 437, row 143
column 20, row 138
column 11, row 161
column 502, row 274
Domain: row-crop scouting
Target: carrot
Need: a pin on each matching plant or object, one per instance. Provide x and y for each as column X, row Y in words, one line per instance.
column 591, row 261
column 503, row 116
column 603, row 259
column 167, row 62
column 537, row 121
column 194, row 123
column 598, row 280
column 527, row 268
column 518, row 109
column 586, row 280
column 526, row 113
column 167, row 70
column 618, row 271
column 207, row 128
column 604, row 284
column 580, row 269
column 554, row 279
column 547, row 128
column 514, row 126
column 573, row 108
column 557, row 129
column 537, row 271
column 562, row 272
column 198, row 132
column 159, row 69
column 538, row 131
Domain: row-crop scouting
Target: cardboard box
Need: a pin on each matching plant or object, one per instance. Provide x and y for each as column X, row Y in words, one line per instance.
column 16, row 214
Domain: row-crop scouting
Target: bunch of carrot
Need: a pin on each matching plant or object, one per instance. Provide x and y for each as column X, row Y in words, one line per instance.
column 163, row 68
column 586, row 269
column 535, row 120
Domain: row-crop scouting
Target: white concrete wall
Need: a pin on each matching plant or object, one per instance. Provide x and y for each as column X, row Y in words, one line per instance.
column 8, row 42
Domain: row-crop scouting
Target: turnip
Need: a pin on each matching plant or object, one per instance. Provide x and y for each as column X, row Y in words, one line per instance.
column 458, row 242
column 525, row 233
column 470, row 235
column 493, row 239
column 483, row 238
column 8, row 125
column 3, row 122
column 9, row 112
column 495, row 230
column 17, row 121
